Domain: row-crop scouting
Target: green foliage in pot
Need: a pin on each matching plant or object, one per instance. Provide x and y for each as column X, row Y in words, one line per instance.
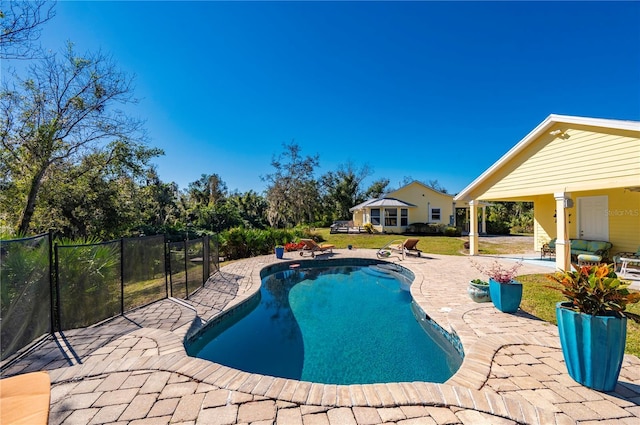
column 480, row 282
column 597, row 291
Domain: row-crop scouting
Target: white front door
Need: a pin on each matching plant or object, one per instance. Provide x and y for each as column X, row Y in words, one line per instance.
column 593, row 220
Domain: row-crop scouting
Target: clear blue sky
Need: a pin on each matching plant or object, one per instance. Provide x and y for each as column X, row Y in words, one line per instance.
column 431, row 90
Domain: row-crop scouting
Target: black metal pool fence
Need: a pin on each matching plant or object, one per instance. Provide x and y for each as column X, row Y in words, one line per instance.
column 47, row 287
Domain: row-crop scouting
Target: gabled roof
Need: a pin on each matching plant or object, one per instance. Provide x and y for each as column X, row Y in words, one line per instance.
column 382, row 203
column 423, row 185
column 542, row 128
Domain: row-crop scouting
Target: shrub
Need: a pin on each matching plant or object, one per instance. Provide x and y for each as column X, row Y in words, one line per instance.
column 426, row 229
column 369, row 228
column 451, row 231
column 498, row 228
column 240, row 242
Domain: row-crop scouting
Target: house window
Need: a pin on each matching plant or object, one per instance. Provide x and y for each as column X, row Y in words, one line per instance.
column 435, row 214
column 391, row 217
column 375, row 216
column 404, row 217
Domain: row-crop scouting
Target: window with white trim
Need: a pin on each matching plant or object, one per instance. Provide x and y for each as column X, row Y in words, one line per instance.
column 375, row 216
column 404, row 217
column 435, row 214
column 390, row 216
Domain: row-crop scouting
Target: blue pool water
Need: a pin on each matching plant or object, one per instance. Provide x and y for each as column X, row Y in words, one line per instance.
column 333, row 325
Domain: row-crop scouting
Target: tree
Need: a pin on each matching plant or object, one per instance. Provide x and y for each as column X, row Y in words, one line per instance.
column 252, row 209
column 157, row 203
column 343, row 189
column 377, row 188
column 99, row 197
column 64, row 110
column 20, row 24
column 208, row 190
column 502, row 217
column 209, row 206
column 292, row 191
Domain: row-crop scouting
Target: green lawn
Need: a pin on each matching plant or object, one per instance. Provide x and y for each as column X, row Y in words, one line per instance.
column 429, row 244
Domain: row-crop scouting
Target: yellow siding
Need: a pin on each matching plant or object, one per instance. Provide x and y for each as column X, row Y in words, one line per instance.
column 357, row 218
column 423, row 198
column 544, row 224
column 589, row 159
column 623, row 213
column 624, row 219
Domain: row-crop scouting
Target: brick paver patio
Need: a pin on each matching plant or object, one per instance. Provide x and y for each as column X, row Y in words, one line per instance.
column 134, row 369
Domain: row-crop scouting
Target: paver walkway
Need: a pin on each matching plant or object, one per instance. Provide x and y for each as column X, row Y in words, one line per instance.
column 134, row 369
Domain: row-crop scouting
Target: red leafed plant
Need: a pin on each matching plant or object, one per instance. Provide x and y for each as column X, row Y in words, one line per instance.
column 293, row 246
column 596, row 290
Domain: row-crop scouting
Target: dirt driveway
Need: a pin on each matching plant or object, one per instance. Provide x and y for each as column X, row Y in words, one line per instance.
column 507, row 244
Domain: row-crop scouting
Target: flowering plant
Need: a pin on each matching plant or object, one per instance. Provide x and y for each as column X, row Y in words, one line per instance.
column 498, row 272
column 596, row 290
column 292, row 246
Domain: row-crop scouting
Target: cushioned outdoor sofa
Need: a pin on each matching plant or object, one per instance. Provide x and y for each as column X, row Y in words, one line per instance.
column 580, row 246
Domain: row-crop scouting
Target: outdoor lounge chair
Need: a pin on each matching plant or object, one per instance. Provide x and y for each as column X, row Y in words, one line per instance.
column 311, row 246
column 24, row 399
column 408, row 246
column 628, row 264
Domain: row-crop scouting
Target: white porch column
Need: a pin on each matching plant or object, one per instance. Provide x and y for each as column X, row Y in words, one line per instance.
column 473, row 227
column 563, row 247
column 453, row 208
column 484, row 220
column 382, row 219
column 466, row 211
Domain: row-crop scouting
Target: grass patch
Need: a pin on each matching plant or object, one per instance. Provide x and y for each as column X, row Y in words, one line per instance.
column 540, row 301
column 443, row 245
column 428, row 244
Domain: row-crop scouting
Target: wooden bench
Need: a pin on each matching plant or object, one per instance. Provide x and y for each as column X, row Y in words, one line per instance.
column 24, row 399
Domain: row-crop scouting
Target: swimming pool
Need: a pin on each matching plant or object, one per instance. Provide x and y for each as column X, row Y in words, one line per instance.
column 342, row 324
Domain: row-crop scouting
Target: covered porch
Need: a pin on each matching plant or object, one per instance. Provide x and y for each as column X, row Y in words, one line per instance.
column 385, row 214
column 583, row 176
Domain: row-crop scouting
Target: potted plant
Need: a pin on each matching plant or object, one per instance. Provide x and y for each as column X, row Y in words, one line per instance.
column 505, row 291
column 478, row 291
column 593, row 323
column 279, row 251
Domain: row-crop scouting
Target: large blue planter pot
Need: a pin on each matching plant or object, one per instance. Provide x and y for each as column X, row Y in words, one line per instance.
column 506, row 296
column 279, row 252
column 593, row 347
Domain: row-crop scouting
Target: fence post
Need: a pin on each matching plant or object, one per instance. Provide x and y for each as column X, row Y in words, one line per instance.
column 57, row 271
column 52, row 319
column 167, row 267
column 216, row 260
column 186, row 273
column 205, row 259
column 121, row 275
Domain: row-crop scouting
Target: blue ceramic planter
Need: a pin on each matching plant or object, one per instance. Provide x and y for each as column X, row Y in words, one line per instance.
column 506, row 296
column 593, row 347
column 279, row 252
